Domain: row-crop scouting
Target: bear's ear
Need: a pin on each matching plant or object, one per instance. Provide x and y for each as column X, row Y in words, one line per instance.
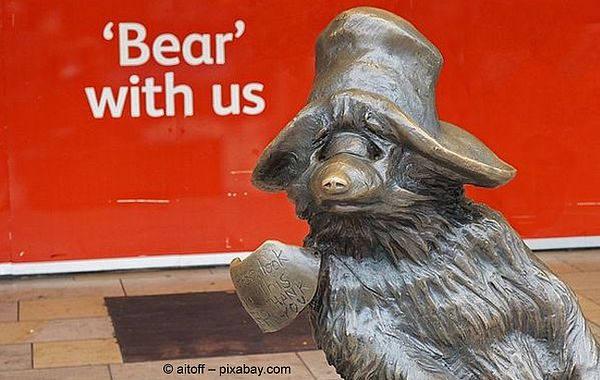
column 276, row 171
column 288, row 155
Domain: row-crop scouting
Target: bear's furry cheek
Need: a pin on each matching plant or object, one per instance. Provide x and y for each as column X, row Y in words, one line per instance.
column 419, row 175
column 300, row 196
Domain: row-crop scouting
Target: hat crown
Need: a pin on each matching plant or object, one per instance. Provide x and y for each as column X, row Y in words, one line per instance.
column 378, row 66
column 377, row 51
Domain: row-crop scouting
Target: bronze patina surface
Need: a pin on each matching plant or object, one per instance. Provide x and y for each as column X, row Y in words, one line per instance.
column 416, row 281
column 276, row 283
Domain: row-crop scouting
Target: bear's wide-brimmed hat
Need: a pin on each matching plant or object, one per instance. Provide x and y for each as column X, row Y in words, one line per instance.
column 374, row 65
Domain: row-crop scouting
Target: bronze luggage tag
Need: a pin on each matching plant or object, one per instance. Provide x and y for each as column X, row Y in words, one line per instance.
column 275, row 283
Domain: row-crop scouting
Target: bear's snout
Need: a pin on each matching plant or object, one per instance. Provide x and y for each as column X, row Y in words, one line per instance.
column 345, row 181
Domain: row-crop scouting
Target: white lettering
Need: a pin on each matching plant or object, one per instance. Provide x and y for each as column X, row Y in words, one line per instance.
column 149, row 90
column 205, row 56
column 107, row 98
column 221, row 40
column 136, row 43
column 234, row 97
column 166, row 43
column 134, row 96
column 171, row 90
column 251, row 96
column 167, row 49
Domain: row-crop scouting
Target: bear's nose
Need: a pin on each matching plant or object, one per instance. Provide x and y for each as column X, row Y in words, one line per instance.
column 335, row 184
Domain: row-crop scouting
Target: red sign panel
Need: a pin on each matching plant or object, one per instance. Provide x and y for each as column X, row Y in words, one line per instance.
column 131, row 127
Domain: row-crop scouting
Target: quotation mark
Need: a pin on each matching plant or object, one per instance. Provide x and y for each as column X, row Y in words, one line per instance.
column 107, row 32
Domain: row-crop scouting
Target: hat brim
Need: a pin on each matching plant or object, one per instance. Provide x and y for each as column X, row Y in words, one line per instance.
column 289, row 153
column 452, row 147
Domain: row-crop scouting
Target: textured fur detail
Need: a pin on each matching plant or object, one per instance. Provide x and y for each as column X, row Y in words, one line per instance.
column 422, row 283
column 429, row 294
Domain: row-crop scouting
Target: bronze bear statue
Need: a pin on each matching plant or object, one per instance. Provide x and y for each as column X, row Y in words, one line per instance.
column 415, row 281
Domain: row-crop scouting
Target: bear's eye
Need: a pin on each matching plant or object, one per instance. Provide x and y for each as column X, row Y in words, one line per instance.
column 374, row 125
column 376, row 128
column 376, row 153
column 321, row 136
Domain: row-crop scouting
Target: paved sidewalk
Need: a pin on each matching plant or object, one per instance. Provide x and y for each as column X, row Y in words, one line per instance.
column 57, row 327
